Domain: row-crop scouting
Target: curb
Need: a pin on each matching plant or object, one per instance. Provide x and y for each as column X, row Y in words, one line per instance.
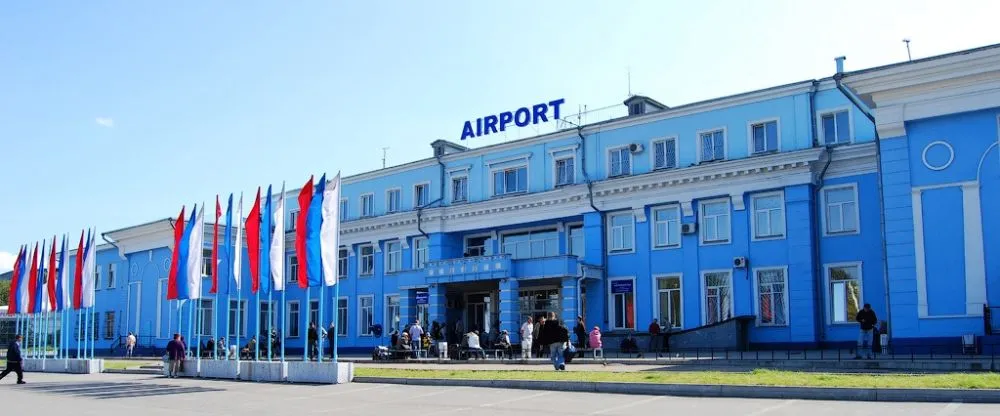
column 133, row 371
column 699, row 390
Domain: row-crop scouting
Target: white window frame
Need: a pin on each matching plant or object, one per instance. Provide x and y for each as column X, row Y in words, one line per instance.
column 206, row 262
column 371, row 197
column 653, row 226
column 569, row 241
column 389, row 209
column 611, row 302
column 756, row 294
column 527, row 179
column 857, row 209
column 466, row 192
column 293, row 217
column 365, row 330
column 611, row 232
column 241, row 317
column 704, row 293
column 656, row 297
column 416, row 196
column 777, row 127
column 113, row 275
column 725, row 144
column 827, row 268
column 652, row 152
column 387, row 256
column 414, row 247
column 289, row 320
column 361, row 260
column 701, row 221
column 342, row 330
column 834, row 111
column 345, row 209
column 607, row 156
column 161, row 297
column 388, row 328
column 292, row 274
column 555, row 170
column 210, row 316
column 753, row 217
column 487, row 245
column 343, row 263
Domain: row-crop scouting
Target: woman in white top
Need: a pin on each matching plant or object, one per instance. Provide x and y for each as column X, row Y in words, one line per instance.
column 527, row 332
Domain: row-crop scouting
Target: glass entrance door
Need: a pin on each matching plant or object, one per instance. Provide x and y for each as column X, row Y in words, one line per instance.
column 477, row 312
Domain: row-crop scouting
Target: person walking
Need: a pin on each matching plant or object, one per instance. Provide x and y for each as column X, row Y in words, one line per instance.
column 527, row 336
column 175, row 355
column 14, row 360
column 866, row 317
column 556, row 336
column 416, row 332
column 129, row 345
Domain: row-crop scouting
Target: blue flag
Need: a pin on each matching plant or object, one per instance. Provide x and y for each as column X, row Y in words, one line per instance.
column 183, row 291
column 313, row 224
column 40, row 288
column 265, row 245
column 228, row 244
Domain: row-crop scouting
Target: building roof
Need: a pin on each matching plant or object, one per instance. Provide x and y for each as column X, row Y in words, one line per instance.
column 922, row 60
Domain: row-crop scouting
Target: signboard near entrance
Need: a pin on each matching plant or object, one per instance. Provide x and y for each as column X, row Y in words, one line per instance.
column 621, row 286
column 422, row 298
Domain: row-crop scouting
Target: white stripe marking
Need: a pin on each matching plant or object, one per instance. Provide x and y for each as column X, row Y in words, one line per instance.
column 949, row 409
column 768, row 409
column 627, row 405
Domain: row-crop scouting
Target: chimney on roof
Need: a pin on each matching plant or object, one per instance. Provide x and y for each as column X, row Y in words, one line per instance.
column 840, row 63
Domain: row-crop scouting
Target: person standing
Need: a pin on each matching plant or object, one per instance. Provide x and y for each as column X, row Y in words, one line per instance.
column 866, row 317
column 580, row 330
column 175, row 355
column 14, row 360
column 654, row 337
column 527, row 336
column 416, row 332
column 541, row 345
column 331, row 335
column 313, row 341
column 129, row 345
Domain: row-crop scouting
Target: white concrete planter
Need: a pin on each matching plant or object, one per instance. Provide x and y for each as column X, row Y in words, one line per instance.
column 323, row 373
column 272, row 371
column 190, row 368
column 219, row 369
column 70, row 366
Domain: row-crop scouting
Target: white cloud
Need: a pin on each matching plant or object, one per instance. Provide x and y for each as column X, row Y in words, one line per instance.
column 6, row 261
column 105, row 121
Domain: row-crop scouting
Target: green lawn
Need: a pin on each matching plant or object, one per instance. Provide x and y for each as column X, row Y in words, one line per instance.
column 758, row 377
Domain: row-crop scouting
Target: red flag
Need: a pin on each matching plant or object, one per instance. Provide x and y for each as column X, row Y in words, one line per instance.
column 33, row 281
column 14, row 284
column 215, row 248
column 78, row 275
column 253, row 243
column 51, row 281
column 305, row 198
column 172, row 277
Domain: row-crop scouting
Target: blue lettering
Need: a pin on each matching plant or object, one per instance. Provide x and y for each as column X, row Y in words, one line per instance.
column 489, row 123
column 467, row 131
column 540, row 110
column 555, row 106
column 526, row 113
column 479, row 127
column 505, row 118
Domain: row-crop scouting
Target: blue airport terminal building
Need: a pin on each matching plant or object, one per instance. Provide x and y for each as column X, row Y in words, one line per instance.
column 785, row 208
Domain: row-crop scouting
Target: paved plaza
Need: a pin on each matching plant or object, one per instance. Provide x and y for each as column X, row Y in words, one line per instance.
column 123, row 394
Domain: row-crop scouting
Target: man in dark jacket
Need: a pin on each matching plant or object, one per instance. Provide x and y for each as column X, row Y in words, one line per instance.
column 866, row 317
column 555, row 335
column 14, row 360
column 175, row 355
column 313, row 341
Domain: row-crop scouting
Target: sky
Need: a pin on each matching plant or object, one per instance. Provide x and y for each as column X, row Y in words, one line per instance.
column 115, row 113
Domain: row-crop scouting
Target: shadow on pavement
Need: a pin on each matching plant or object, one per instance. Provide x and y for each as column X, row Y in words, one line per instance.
column 115, row 390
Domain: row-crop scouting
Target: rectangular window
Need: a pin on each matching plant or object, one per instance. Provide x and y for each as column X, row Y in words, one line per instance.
column 836, row 127
column 342, row 317
column 715, row 222
column 668, row 291
column 112, row 272
column 772, row 298
column 206, row 263
column 293, row 219
column 367, row 205
column 366, row 261
column 460, row 189
column 667, row 227
column 576, row 241
column 665, row 154
column 237, row 318
column 622, row 304
column 392, row 200
column 622, row 232
column 267, row 319
column 713, row 146
column 765, row 137
column 619, row 162
column 718, row 297
column 421, row 195
column 344, row 209
column 510, row 181
column 206, row 307
column 533, row 244
column 841, row 204
column 768, row 215
column 393, row 256
column 293, row 269
column 392, row 313
column 342, row 256
column 314, row 313
column 293, row 317
column 366, row 314
column 109, row 325
column 565, row 171
column 420, row 252
column 97, row 278
column 845, row 292
column 476, row 246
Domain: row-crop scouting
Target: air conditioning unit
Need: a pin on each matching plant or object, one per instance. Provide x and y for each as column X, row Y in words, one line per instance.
column 689, row 228
column 740, row 262
column 635, row 148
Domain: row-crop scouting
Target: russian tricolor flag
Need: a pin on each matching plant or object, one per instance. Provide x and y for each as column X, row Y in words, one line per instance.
column 184, row 281
column 317, row 233
column 14, row 297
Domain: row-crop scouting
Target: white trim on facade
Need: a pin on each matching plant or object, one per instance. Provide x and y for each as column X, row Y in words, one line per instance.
column 764, row 121
column 725, row 144
column 857, row 209
column 607, row 160
column 703, row 300
column 399, row 201
column 756, row 294
column 652, row 152
column 820, row 133
column 653, row 222
column 656, row 296
column 701, row 221
column 753, row 216
column 610, row 230
column 829, row 294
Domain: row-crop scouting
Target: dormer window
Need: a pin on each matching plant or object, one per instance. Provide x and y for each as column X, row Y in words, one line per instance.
column 635, row 109
column 639, row 105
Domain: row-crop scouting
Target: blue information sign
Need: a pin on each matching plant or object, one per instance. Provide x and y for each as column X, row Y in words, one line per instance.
column 621, row 286
column 422, row 298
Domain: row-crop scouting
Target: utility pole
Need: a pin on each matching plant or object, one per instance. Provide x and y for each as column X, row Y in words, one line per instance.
column 908, row 56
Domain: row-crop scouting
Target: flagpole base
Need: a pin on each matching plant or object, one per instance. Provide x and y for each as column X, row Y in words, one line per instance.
column 64, row 366
column 267, row 371
column 321, row 373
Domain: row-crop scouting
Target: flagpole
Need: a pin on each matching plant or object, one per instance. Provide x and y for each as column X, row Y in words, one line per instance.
column 270, row 326
column 239, row 326
column 191, row 312
column 79, row 333
column 225, row 352
column 336, row 325
column 319, row 339
column 305, row 339
column 93, row 340
column 45, row 334
column 198, row 322
column 284, row 324
column 256, row 345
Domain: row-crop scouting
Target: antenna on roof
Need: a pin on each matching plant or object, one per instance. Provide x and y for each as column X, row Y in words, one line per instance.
column 628, row 70
column 383, row 156
column 908, row 56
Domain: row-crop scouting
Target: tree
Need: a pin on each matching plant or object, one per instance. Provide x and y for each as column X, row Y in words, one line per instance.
column 4, row 291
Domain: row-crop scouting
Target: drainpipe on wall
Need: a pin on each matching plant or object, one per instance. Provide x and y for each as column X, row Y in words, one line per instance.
column 128, row 277
column 420, row 209
column 604, row 235
column 838, row 78
column 818, row 277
